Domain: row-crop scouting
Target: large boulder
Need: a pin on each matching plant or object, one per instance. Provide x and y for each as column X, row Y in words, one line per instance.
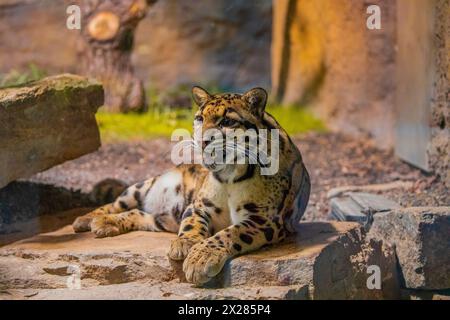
column 326, row 261
column 421, row 236
column 47, row 122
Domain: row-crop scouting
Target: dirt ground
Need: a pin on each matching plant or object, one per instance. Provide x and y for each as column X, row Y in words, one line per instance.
column 332, row 160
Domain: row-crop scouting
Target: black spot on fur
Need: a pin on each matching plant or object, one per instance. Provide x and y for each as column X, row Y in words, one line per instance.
column 246, row 238
column 251, row 224
column 216, row 175
column 123, row 205
column 218, row 210
column 248, row 173
column 159, row 224
column 268, row 233
column 187, row 213
column 237, row 247
column 257, row 219
column 188, row 227
column 205, row 216
column 277, row 223
column 178, row 188
column 192, row 169
column 190, row 196
column 252, row 207
column 207, row 202
column 137, row 196
column 150, row 187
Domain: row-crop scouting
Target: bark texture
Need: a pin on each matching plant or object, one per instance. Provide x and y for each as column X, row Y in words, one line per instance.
column 106, row 43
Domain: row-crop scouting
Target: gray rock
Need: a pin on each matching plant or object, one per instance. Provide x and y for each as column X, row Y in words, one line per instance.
column 325, row 261
column 359, row 206
column 45, row 123
column 161, row 291
column 421, row 236
column 410, row 294
column 330, row 258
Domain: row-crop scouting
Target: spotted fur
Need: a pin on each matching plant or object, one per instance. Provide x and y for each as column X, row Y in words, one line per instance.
column 217, row 214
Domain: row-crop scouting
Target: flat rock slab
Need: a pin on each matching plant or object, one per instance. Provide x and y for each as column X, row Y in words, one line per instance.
column 325, row 261
column 47, row 122
column 421, row 236
column 359, row 206
column 162, row 291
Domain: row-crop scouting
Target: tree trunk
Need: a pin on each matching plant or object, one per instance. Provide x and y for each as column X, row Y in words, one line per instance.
column 105, row 47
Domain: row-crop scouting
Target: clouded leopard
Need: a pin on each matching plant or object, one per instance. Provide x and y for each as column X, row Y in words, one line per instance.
column 218, row 211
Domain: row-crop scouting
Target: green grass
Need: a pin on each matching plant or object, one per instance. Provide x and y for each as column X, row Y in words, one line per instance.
column 160, row 123
column 16, row 77
column 132, row 126
column 296, row 119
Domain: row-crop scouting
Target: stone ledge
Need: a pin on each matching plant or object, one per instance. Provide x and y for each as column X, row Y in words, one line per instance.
column 47, row 122
column 326, row 261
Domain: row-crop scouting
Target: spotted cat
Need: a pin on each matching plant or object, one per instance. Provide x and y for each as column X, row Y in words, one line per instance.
column 217, row 213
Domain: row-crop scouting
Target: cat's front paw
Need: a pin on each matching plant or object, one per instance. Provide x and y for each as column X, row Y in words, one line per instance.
column 179, row 248
column 204, row 262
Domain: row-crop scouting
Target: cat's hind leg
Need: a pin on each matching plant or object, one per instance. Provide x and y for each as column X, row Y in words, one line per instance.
column 133, row 220
column 131, row 198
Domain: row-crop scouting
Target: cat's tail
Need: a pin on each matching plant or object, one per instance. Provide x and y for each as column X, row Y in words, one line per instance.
column 300, row 202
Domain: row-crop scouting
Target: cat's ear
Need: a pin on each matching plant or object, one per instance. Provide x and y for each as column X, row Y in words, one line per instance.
column 256, row 100
column 200, row 96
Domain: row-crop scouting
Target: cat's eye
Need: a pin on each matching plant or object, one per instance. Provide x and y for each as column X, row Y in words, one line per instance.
column 227, row 122
column 198, row 118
